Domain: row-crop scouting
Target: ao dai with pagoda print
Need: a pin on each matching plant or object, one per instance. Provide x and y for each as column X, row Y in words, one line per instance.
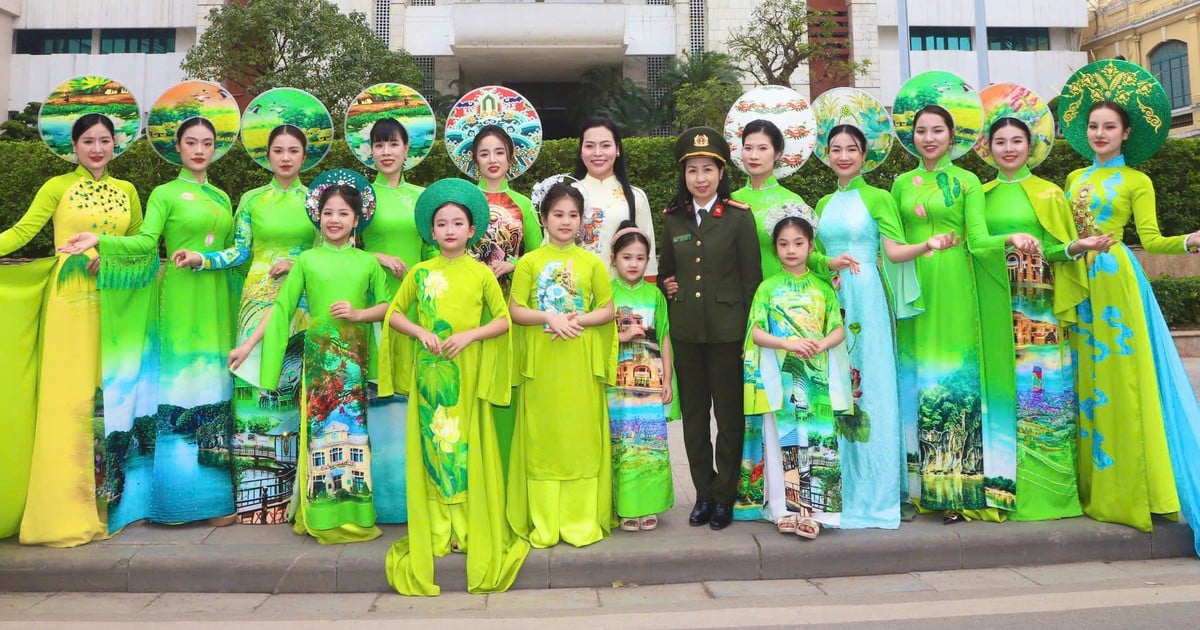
column 334, row 494
column 800, row 467
column 270, row 226
column 637, row 418
column 1021, row 298
column 1139, row 424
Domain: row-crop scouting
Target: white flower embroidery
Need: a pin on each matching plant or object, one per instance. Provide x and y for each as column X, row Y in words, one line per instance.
column 445, row 430
column 435, row 285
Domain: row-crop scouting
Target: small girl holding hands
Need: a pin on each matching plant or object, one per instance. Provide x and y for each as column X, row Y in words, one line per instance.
column 560, row 471
column 459, row 369
column 796, row 375
column 642, row 487
column 345, row 288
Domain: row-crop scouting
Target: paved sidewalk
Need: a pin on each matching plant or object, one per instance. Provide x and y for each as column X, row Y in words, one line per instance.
column 938, row 598
column 270, row 559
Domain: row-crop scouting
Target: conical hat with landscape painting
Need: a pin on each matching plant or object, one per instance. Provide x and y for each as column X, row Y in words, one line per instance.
column 390, row 100
column 187, row 100
column 88, row 94
column 286, row 106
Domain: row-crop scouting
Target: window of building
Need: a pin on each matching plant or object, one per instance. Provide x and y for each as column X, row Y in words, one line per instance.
column 152, row 41
column 698, row 25
column 426, row 65
column 1169, row 62
column 422, row 3
column 665, row 3
column 360, row 481
column 356, row 455
column 335, row 454
column 939, row 38
column 318, row 459
column 1023, row 39
column 383, row 21
column 52, row 41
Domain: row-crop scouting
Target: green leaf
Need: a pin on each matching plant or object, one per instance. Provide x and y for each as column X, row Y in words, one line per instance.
column 438, row 380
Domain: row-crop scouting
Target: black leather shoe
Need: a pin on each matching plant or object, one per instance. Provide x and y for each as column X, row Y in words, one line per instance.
column 701, row 513
column 722, row 516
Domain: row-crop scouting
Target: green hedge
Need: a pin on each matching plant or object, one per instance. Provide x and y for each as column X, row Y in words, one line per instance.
column 1179, row 299
column 29, row 164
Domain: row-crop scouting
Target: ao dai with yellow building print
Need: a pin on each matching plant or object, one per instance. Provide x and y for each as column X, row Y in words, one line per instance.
column 334, row 489
column 799, row 465
column 637, row 419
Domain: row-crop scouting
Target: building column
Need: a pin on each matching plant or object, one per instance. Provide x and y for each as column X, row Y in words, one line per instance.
column 1193, row 44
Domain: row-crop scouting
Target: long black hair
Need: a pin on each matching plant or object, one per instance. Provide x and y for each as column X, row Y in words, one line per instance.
column 619, row 165
column 683, row 196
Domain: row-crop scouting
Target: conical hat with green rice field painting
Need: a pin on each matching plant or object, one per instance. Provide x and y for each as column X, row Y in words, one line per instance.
column 286, row 106
column 82, row 95
column 390, row 100
column 949, row 91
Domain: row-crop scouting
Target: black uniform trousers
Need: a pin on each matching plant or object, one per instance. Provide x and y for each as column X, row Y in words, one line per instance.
column 710, row 376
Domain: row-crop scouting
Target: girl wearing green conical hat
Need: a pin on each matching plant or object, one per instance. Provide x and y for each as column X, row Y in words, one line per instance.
column 50, row 447
column 459, row 367
column 1139, row 422
column 1030, row 280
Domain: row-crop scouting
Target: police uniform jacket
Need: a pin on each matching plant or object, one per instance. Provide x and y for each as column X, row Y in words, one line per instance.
column 718, row 268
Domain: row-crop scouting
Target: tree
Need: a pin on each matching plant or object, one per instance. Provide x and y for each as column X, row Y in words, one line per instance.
column 782, row 35
column 305, row 44
column 696, row 69
column 607, row 92
column 706, row 103
column 21, row 126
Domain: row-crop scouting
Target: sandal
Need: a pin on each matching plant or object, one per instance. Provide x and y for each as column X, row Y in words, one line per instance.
column 807, row 527
column 454, row 548
column 630, row 525
column 787, row 524
column 951, row 517
column 647, row 523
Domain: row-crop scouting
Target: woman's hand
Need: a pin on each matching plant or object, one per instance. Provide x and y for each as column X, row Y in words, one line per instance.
column 845, row 261
column 668, row 393
column 93, row 266
column 1193, row 241
column 631, row 332
column 670, row 287
column 1024, row 243
column 238, row 355
column 1097, row 243
column 456, row 343
column 184, row 258
column 80, row 243
column 501, row 267
column 280, row 268
column 392, row 264
column 939, row 242
column 343, row 310
column 563, row 326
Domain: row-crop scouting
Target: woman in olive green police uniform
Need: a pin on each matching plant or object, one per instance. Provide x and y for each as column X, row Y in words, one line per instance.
column 709, row 267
